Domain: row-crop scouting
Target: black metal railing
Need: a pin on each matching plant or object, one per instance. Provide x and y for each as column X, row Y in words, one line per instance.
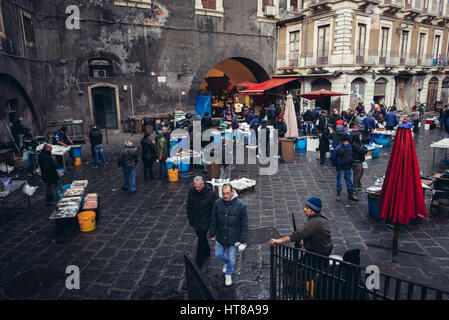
column 299, row 275
column 197, row 286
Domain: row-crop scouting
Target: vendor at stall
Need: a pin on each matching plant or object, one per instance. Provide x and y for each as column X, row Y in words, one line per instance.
column 61, row 138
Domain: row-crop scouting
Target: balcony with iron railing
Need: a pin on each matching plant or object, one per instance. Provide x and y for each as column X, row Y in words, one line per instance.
column 373, row 58
column 316, row 4
column 397, row 3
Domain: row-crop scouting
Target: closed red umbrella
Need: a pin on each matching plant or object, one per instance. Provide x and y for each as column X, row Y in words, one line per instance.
column 402, row 197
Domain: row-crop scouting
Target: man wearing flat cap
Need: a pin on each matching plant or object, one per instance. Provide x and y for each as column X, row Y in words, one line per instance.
column 315, row 234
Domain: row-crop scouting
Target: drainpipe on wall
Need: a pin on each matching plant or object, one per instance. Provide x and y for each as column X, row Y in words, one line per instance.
column 305, row 62
column 275, row 58
column 132, row 100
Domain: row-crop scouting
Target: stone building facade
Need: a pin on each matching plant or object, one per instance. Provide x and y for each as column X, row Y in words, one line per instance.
column 126, row 56
column 377, row 50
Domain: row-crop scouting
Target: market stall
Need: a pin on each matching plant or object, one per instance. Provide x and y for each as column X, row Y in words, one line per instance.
column 7, row 188
column 69, row 205
column 442, row 144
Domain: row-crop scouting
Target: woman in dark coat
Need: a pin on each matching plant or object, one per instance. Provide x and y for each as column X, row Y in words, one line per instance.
column 324, row 143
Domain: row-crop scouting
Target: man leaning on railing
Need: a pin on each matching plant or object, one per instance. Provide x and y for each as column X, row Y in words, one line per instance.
column 315, row 234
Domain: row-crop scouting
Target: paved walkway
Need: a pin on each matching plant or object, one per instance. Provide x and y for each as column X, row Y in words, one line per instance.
column 137, row 250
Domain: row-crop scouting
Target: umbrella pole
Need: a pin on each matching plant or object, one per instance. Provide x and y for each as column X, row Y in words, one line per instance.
column 395, row 240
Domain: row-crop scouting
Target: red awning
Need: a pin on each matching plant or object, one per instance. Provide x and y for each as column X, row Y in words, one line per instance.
column 321, row 94
column 245, row 84
column 260, row 88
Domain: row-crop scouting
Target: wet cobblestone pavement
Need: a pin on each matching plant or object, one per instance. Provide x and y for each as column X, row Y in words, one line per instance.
column 136, row 251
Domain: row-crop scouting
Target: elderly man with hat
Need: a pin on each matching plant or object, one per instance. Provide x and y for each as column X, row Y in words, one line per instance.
column 315, row 234
column 127, row 160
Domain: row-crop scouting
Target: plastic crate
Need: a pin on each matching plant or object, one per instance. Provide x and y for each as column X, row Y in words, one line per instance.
column 382, row 141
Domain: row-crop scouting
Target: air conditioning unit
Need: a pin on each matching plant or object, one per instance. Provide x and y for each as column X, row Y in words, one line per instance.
column 269, row 11
column 99, row 73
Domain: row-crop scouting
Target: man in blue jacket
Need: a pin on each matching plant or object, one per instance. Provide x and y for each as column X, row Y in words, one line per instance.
column 229, row 228
column 343, row 154
column 370, row 126
column 391, row 120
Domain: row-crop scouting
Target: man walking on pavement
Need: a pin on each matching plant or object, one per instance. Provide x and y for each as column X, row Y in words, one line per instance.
column 358, row 157
column 200, row 201
column 315, row 234
column 49, row 174
column 127, row 160
column 148, row 156
column 96, row 140
column 324, row 145
column 343, row 154
column 229, row 228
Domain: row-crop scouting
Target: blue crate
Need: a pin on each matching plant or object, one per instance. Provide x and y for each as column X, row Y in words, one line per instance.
column 372, row 207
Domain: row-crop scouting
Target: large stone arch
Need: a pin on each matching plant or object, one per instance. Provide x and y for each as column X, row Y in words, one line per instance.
column 15, row 91
column 251, row 59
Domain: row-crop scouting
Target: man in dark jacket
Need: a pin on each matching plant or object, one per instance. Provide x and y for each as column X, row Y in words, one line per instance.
column 335, row 116
column 206, row 121
column 358, row 157
column 315, row 234
column 324, row 143
column 229, row 228
column 308, row 119
column 272, row 115
column 96, row 141
column 200, row 201
column 148, row 156
column 127, row 160
column 281, row 127
column 48, row 172
column 322, row 121
column 267, row 135
column 391, row 120
column 234, row 123
column 370, row 126
column 343, row 154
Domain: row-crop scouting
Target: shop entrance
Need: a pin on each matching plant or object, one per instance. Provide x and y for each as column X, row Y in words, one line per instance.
column 221, row 85
column 432, row 94
column 380, row 87
column 324, row 103
column 357, row 92
column 104, row 107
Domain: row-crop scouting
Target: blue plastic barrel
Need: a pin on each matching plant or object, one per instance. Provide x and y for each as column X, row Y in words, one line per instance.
column 301, row 144
column 76, row 152
column 185, row 164
column 169, row 163
column 375, row 152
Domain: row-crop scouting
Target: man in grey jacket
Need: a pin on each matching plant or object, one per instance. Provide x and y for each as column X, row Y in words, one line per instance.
column 229, row 228
column 127, row 160
column 315, row 234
